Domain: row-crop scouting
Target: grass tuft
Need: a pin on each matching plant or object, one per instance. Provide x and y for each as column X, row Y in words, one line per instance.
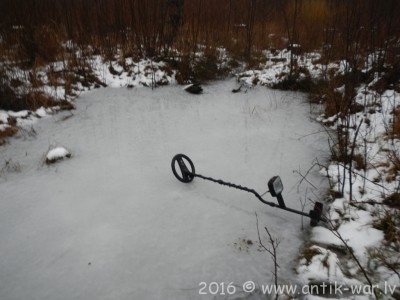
column 393, row 200
column 309, row 253
column 389, row 224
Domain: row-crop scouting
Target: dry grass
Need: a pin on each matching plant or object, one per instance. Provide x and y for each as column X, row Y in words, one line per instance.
column 396, row 123
column 35, row 100
column 360, row 163
column 309, row 253
column 6, row 133
column 10, row 167
column 389, row 223
column 393, row 200
column 394, row 169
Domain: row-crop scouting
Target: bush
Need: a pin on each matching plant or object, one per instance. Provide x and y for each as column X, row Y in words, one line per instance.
column 393, row 200
column 299, row 80
column 360, row 163
column 389, row 80
column 205, row 68
column 389, row 224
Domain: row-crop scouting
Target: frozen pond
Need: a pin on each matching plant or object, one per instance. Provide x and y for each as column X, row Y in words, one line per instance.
column 112, row 222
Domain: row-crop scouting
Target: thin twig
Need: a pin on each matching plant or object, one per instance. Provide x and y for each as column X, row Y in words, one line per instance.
column 274, row 244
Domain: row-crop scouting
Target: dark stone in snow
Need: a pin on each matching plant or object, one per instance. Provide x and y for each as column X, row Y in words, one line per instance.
column 237, row 90
column 194, row 88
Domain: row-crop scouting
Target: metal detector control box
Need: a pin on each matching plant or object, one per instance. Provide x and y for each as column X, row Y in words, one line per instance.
column 183, row 169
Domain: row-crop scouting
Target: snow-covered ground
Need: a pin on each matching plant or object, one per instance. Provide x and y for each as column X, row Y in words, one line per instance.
column 356, row 215
column 112, row 222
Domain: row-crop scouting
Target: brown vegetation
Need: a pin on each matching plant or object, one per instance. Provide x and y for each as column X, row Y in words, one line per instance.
column 37, row 33
column 40, row 29
column 6, row 133
column 396, row 123
column 389, row 224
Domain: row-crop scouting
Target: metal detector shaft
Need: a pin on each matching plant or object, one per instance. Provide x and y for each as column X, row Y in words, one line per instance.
column 246, row 189
column 236, row 186
column 187, row 174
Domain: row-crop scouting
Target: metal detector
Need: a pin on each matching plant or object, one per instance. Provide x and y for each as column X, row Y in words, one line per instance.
column 183, row 169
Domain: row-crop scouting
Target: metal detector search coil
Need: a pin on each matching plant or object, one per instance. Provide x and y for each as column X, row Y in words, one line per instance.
column 183, row 169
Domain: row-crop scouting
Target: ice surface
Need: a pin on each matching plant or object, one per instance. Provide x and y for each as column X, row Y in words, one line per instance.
column 114, row 223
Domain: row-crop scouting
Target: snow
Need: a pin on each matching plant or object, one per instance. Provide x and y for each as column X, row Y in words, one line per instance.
column 323, row 267
column 3, row 117
column 57, row 153
column 277, row 68
column 4, row 127
column 354, row 235
column 20, row 114
column 24, row 118
column 41, row 112
column 114, row 223
column 352, row 216
column 142, row 73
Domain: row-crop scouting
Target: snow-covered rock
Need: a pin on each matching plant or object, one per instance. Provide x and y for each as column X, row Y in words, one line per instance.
column 56, row 154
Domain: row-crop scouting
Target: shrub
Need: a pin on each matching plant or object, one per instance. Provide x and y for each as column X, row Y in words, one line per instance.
column 393, row 200
column 389, row 224
column 205, row 68
column 359, row 162
column 300, row 80
column 389, row 80
column 9, row 100
column 394, row 169
column 183, row 74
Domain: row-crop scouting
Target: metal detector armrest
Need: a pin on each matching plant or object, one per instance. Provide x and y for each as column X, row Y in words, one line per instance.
column 275, row 187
